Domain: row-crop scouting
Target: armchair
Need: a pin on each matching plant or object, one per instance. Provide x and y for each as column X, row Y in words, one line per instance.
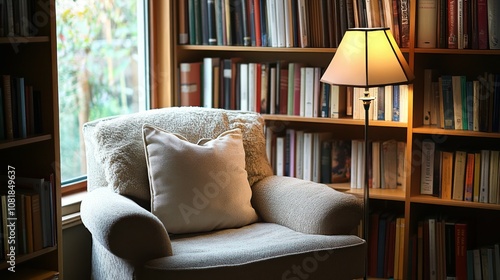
column 274, row 227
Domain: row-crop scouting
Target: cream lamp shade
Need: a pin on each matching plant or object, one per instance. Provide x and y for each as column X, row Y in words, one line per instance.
column 368, row 57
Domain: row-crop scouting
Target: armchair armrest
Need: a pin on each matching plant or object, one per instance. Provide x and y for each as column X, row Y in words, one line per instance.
column 306, row 206
column 123, row 227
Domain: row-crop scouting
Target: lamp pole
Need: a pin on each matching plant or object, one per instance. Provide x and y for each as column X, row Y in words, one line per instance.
column 367, row 100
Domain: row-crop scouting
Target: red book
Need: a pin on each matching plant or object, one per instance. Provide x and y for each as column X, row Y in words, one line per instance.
column 460, row 251
column 190, row 84
column 469, row 177
column 283, row 91
column 452, row 24
column 258, row 33
column 482, row 24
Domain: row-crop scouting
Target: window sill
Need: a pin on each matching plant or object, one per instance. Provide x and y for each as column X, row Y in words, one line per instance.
column 70, row 204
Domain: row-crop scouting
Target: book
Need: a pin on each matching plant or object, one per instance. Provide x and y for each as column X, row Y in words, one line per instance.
column 209, row 64
column 456, row 84
column 404, row 21
column 452, row 24
column 183, row 35
column 7, row 101
column 485, row 173
column 460, row 251
column 446, row 174
column 494, row 180
column 469, row 177
column 493, row 8
column 459, row 175
column 427, row 23
column 447, row 97
column 340, row 161
column 389, row 166
column 482, row 24
column 427, row 168
column 190, row 83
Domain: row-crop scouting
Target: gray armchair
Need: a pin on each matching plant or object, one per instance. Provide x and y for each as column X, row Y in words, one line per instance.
column 300, row 229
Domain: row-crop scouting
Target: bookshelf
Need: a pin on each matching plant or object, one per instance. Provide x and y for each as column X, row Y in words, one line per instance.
column 407, row 202
column 31, row 54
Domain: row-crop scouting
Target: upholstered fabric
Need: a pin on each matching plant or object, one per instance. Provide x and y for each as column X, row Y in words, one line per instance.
column 305, row 206
column 197, row 187
column 302, row 233
column 116, row 153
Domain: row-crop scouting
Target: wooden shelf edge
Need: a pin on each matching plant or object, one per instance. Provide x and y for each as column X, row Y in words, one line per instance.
column 452, row 132
column 343, row 121
column 5, row 144
column 457, row 51
column 386, row 194
column 23, row 258
column 261, row 49
column 426, row 199
column 24, row 40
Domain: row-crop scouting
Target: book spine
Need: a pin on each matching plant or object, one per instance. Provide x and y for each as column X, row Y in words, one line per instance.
column 482, row 24
column 493, row 7
column 452, row 24
column 405, row 23
column 428, row 149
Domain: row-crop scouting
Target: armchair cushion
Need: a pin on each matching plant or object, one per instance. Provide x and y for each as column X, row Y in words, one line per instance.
column 198, row 187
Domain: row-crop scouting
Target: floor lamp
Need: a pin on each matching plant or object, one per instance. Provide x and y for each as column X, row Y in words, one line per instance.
column 367, row 57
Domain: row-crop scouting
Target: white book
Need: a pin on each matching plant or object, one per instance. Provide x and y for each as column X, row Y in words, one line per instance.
column 401, row 165
column 280, row 156
column 334, row 101
column 427, row 23
column 403, row 103
column 302, row 91
column 280, row 23
column 271, row 20
column 361, row 165
column 299, row 154
column 292, row 139
column 484, row 182
column 308, row 156
column 208, row 80
column 427, row 168
column 309, row 92
column 243, row 73
column 388, row 103
column 252, row 87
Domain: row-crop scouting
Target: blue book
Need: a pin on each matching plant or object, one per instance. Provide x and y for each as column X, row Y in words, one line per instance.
column 381, row 103
column 447, row 95
column 263, row 22
column 395, row 103
column 470, row 105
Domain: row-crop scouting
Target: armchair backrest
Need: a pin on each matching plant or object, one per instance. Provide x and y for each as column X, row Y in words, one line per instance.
column 115, row 151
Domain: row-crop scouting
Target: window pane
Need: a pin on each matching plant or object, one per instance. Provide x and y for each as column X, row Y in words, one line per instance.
column 102, row 69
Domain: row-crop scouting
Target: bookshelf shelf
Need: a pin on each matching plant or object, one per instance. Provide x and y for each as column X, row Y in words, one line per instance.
column 26, row 257
column 29, row 75
column 345, row 121
column 465, row 204
column 465, row 133
column 468, row 62
column 6, row 144
column 24, row 40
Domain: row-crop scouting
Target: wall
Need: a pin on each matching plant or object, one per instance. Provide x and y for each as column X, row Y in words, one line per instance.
column 76, row 253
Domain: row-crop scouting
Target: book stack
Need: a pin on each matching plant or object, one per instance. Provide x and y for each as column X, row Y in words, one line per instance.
column 458, row 24
column 455, row 102
column 463, row 174
column 31, row 206
column 286, row 23
column 385, row 245
column 20, row 108
column 443, row 249
column 282, row 87
column 386, row 169
column 17, row 18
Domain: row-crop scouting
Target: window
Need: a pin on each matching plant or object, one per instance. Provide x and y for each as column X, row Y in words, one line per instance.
column 102, row 66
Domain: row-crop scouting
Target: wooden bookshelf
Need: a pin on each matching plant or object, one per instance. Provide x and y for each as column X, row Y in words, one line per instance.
column 35, row 155
column 413, row 206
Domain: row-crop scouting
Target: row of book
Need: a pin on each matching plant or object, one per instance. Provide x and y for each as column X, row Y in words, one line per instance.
column 320, row 157
column 20, row 108
column 31, row 210
column 287, row 23
column 458, row 24
column 282, row 87
column 464, row 175
column 455, row 102
column 17, row 18
column 385, row 245
column 442, row 249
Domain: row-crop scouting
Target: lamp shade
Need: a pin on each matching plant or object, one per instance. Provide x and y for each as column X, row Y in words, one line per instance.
column 368, row 57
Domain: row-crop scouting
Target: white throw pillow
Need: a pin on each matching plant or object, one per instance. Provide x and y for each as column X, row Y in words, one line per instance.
column 198, row 187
